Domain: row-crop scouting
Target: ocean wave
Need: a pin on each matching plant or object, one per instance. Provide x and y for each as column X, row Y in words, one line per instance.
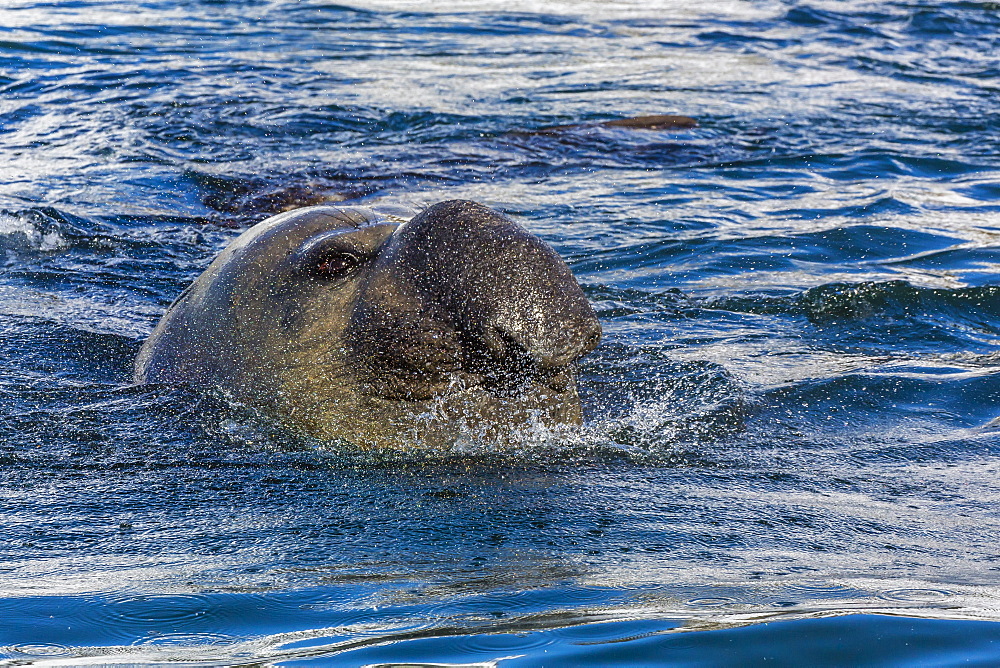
column 32, row 231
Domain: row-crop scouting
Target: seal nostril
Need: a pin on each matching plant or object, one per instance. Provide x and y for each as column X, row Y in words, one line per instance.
column 531, row 351
column 502, row 364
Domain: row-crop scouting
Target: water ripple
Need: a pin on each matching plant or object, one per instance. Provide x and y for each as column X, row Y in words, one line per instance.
column 154, row 610
column 917, row 595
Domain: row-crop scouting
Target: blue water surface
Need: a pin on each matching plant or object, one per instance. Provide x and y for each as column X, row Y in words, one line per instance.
column 792, row 448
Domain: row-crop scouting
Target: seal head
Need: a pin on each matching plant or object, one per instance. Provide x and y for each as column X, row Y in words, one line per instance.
column 344, row 323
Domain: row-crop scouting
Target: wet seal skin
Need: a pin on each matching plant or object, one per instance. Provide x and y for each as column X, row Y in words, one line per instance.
column 346, row 323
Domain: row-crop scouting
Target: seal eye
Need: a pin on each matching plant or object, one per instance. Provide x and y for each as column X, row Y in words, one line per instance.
column 335, row 265
column 339, row 253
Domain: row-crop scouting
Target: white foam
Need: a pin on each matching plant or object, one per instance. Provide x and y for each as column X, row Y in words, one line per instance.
column 17, row 233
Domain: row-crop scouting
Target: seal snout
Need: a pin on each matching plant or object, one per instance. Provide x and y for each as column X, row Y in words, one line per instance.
column 546, row 340
column 506, row 364
column 502, row 296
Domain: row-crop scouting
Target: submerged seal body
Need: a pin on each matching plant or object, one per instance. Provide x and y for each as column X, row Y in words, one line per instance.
column 344, row 324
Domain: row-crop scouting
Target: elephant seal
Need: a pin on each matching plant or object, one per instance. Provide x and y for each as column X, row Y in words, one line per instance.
column 345, row 324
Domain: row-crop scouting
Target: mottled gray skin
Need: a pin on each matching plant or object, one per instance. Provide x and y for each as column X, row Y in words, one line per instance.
column 343, row 324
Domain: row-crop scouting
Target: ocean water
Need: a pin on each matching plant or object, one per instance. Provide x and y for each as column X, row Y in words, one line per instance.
column 792, row 451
